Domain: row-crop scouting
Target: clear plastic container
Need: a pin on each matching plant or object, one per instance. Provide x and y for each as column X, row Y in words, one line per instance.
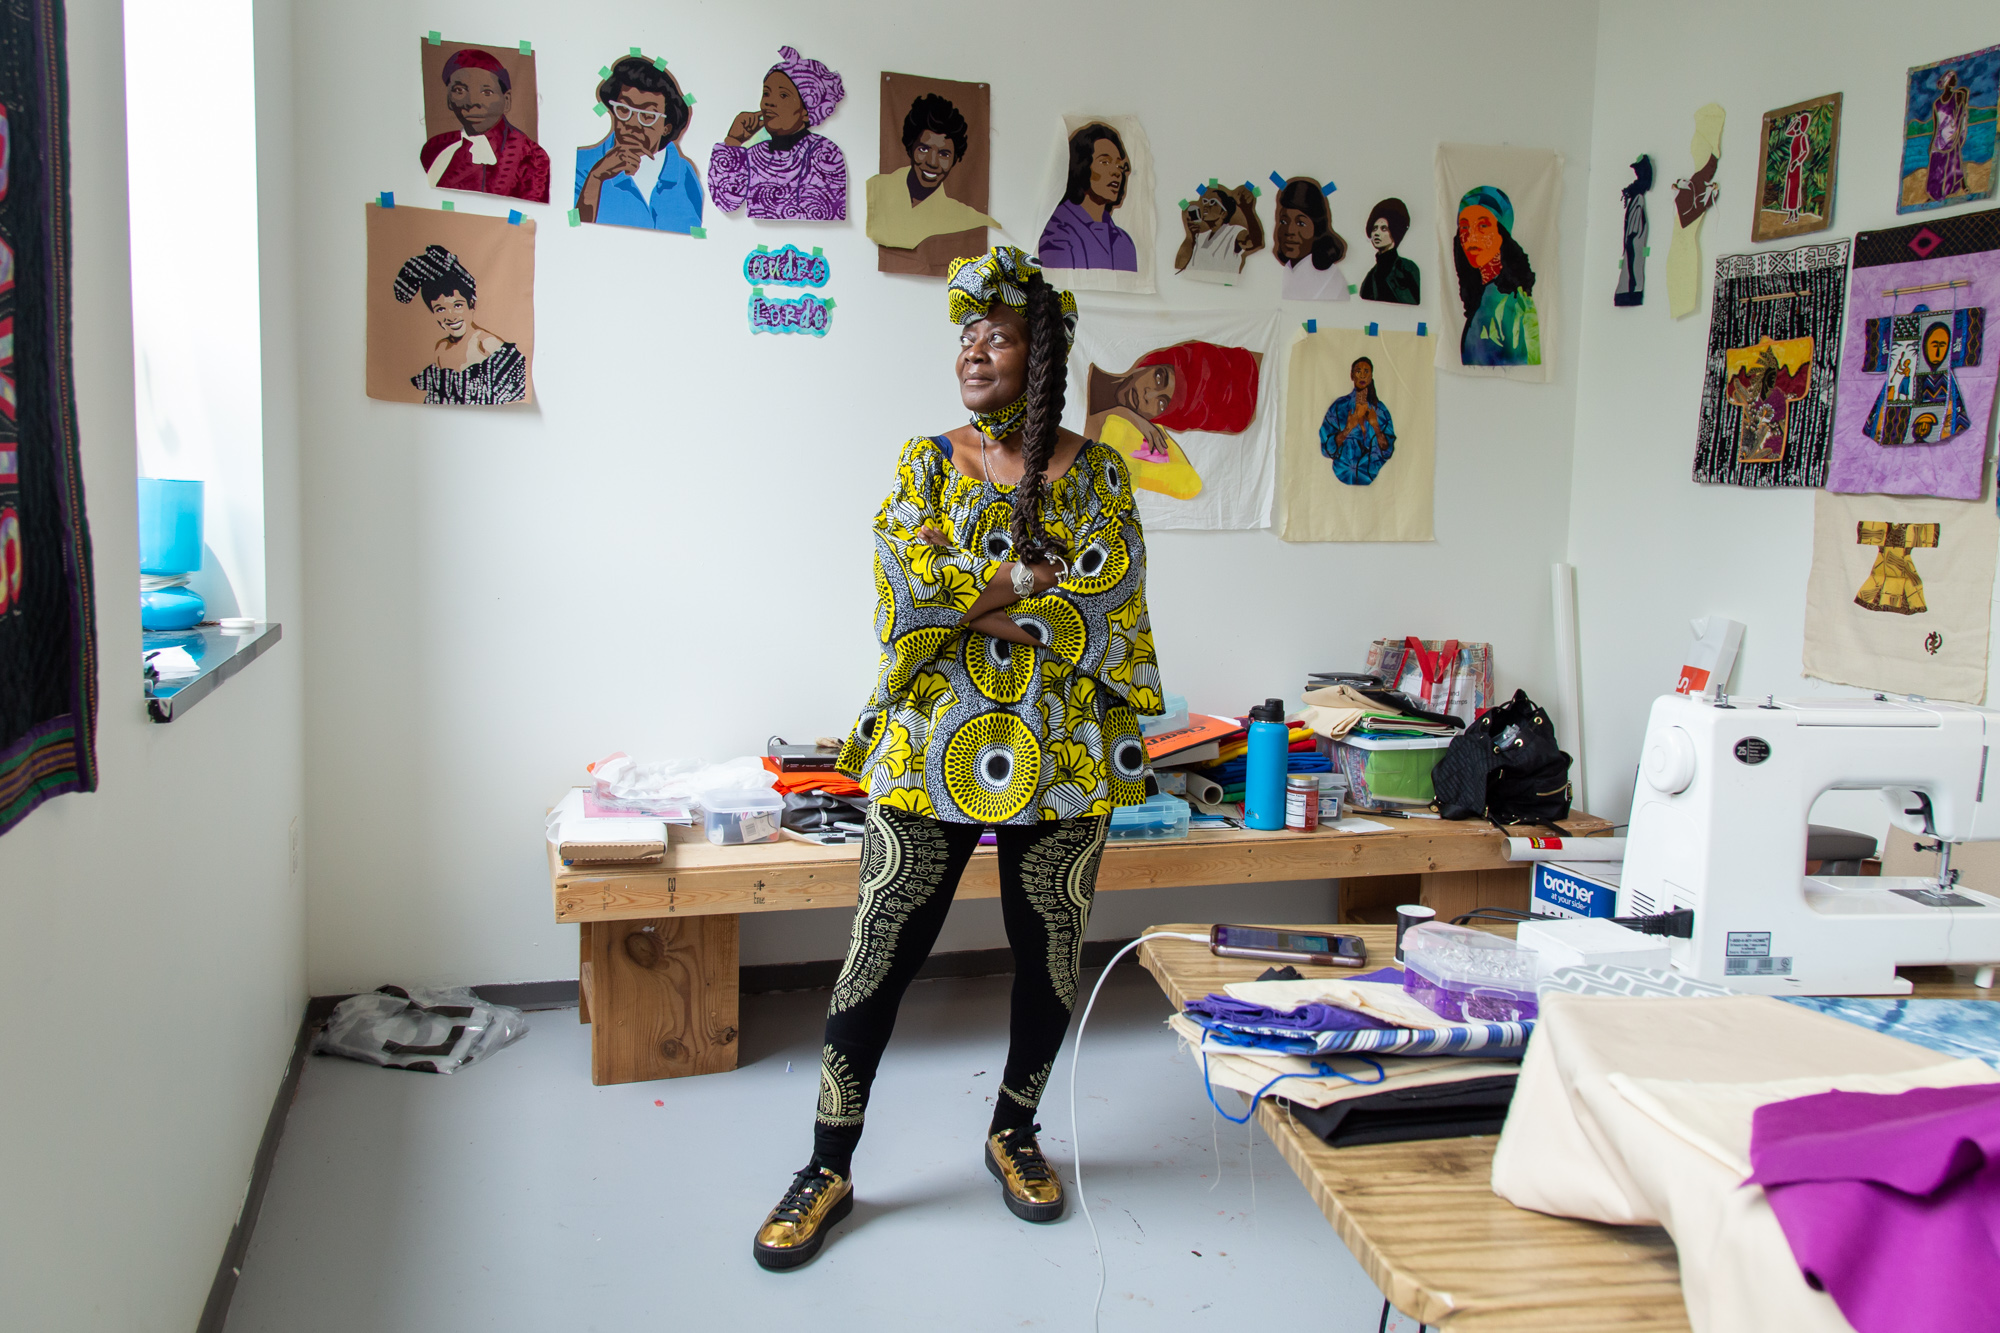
column 1175, row 718
column 1162, row 816
column 1389, row 772
column 1468, row 976
column 735, row 815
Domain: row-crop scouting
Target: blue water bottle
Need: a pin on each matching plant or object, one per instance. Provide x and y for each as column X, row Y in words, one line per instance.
column 1264, row 782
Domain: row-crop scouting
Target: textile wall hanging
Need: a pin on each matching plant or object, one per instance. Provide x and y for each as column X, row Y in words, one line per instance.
column 48, row 632
column 1360, row 439
column 1220, row 230
column 1694, row 195
column 928, row 205
column 774, row 162
column 1773, row 356
column 1632, row 247
column 1916, row 380
column 1901, row 594
column 1948, row 114
column 1099, row 230
column 1394, row 276
column 1498, row 220
column 1305, row 242
column 1190, row 401
column 451, row 307
column 637, row 175
column 480, row 120
column 1795, row 175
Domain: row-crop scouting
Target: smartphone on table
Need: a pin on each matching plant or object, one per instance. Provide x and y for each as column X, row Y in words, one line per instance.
column 1287, row 946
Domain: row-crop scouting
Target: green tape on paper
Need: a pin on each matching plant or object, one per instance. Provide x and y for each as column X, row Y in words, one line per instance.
column 763, row 250
column 575, row 217
column 604, row 71
column 828, row 303
column 699, row 233
column 637, row 52
column 1352, row 289
column 599, row 108
column 434, row 37
column 659, row 62
column 688, row 98
column 448, row 206
column 1183, row 205
column 1649, row 252
column 757, row 292
column 527, row 48
column 818, row 251
column 1213, row 183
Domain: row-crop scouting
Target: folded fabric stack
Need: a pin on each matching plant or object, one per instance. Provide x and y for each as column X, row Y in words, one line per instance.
column 1230, row 767
column 1338, row 711
column 1358, row 1061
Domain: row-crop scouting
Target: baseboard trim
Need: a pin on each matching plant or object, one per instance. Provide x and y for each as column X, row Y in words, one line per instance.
column 215, row 1312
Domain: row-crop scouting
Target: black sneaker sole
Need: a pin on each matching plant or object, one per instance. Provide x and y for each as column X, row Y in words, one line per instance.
column 791, row 1256
column 1027, row 1212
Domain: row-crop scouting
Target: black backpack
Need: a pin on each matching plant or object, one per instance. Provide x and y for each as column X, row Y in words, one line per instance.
column 1505, row 767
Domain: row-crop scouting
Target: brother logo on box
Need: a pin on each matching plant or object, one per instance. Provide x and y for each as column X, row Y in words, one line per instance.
column 1568, row 891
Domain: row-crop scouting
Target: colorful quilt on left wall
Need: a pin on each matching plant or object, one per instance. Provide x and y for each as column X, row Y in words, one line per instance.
column 48, row 631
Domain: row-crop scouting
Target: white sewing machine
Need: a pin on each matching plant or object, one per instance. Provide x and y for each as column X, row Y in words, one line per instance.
column 1719, row 827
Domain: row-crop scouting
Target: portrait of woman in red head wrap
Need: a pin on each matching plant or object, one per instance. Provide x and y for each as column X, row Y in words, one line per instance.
column 1190, row 386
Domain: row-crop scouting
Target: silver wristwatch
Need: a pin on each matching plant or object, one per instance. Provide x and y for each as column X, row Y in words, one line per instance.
column 1024, row 579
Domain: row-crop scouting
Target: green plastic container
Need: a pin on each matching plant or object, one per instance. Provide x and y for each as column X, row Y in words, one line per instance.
column 1390, row 772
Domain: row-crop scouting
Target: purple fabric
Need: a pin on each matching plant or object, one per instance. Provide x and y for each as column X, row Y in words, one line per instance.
column 819, row 87
column 807, row 181
column 1891, row 1203
column 1305, row 1018
column 1955, row 469
column 1072, row 240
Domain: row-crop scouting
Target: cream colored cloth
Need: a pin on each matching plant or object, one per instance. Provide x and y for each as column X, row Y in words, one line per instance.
column 1314, row 505
column 1684, row 252
column 1939, row 652
column 1249, row 1071
column 1335, row 710
column 1637, row 1112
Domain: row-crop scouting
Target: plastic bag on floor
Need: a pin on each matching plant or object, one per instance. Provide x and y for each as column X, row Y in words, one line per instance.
column 430, row 1031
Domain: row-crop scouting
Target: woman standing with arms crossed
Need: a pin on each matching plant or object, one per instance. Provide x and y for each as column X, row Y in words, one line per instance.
column 1016, row 655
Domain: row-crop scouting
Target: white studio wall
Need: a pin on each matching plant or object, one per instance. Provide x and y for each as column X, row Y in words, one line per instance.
column 1652, row 549
column 667, row 553
column 152, row 950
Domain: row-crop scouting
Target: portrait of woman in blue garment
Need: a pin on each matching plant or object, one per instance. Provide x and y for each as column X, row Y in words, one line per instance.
column 636, row 176
column 1496, row 284
column 1358, row 433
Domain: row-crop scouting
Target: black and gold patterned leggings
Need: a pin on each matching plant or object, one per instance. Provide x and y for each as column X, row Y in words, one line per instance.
column 910, row 865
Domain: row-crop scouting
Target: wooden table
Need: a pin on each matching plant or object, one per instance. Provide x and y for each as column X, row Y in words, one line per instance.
column 1422, row 1218
column 658, row 943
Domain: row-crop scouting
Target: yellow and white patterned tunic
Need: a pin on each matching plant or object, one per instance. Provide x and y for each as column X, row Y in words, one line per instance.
column 971, row 729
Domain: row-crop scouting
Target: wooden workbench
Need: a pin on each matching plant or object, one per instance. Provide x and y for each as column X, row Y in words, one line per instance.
column 1422, row 1218
column 658, row 943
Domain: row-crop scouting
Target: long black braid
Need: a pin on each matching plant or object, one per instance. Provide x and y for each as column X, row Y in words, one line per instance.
column 1048, row 372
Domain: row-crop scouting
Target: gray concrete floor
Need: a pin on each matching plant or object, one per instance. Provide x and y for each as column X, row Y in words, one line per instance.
column 515, row 1195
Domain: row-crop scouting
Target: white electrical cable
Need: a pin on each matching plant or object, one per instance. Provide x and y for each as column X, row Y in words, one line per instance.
column 1076, row 1054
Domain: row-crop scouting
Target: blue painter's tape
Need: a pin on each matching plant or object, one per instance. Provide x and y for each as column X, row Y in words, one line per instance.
column 1312, row 326
column 387, row 199
column 1374, row 330
column 1423, row 330
column 1201, row 190
column 1277, row 180
column 1328, row 188
column 513, row 217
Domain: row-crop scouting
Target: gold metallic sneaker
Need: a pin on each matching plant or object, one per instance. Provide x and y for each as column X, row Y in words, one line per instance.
column 793, row 1232
column 1028, row 1183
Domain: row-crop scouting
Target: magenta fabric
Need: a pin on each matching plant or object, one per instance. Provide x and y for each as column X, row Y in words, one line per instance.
column 819, row 87
column 1891, row 1203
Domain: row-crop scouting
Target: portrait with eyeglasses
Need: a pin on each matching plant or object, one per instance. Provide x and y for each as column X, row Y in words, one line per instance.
column 636, row 175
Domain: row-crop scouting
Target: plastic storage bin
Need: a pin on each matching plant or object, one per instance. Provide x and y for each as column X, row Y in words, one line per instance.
column 1174, row 719
column 1389, row 772
column 1162, row 816
column 742, row 814
column 1469, row 976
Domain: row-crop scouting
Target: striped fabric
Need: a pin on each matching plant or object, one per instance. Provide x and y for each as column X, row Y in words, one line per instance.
column 1499, row 1041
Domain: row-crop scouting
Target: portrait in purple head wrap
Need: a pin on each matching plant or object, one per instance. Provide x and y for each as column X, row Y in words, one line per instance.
column 791, row 173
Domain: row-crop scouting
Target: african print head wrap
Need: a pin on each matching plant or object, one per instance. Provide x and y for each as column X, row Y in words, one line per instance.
column 437, row 268
column 974, row 283
column 1492, row 199
column 819, row 87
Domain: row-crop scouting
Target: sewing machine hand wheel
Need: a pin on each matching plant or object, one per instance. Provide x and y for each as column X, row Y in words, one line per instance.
column 1669, row 762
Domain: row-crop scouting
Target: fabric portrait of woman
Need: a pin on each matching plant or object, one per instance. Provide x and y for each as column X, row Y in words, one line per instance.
column 488, row 152
column 1393, row 278
column 1358, row 433
column 1307, row 245
column 471, row 365
column 1190, row 386
column 795, row 174
column 1496, row 284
